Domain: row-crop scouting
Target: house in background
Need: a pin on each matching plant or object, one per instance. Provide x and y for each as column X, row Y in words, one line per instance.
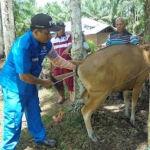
column 93, row 30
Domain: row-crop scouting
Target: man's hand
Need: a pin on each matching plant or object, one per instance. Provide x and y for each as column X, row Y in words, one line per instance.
column 145, row 47
column 47, row 84
column 29, row 78
column 66, row 51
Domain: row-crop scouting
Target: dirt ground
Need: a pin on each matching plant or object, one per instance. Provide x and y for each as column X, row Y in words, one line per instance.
column 109, row 123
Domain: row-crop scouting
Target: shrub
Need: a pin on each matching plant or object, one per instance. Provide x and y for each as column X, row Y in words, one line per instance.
column 91, row 45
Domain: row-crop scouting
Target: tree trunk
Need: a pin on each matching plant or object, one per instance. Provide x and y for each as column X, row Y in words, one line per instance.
column 149, row 117
column 147, row 33
column 7, row 24
column 12, row 22
column 147, row 20
column 77, row 49
column 1, row 35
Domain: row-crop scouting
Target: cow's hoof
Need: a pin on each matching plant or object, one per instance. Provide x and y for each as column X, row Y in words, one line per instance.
column 97, row 143
column 132, row 122
column 127, row 116
column 96, row 139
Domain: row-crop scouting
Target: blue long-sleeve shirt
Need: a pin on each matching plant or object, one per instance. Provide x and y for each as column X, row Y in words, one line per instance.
column 26, row 56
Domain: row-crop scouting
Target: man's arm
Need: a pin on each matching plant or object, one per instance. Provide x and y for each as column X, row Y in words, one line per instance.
column 29, row 78
column 86, row 47
column 108, row 41
column 134, row 40
column 62, row 63
column 67, row 50
column 58, row 61
column 144, row 47
column 69, row 41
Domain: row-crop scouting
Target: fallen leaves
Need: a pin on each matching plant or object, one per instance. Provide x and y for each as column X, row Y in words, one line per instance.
column 59, row 117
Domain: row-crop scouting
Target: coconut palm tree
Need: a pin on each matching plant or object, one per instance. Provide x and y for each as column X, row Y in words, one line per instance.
column 23, row 11
column 107, row 11
column 97, row 10
column 77, row 50
column 133, row 12
column 147, row 20
column 1, row 35
column 59, row 13
column 7, row 24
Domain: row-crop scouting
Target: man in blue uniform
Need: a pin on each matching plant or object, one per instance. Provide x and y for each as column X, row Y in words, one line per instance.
column 19, row 79
column 121, row 36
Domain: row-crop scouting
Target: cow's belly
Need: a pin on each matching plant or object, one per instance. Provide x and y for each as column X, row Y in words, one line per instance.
column 106, row 83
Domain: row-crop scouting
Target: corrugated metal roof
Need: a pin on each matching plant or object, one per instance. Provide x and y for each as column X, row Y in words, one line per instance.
column 89, row 26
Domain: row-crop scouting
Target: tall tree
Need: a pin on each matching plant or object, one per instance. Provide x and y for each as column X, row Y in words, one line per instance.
column 23, row 11
column 11, row 20
column 97, row 10
column 147, row 33
column 1, row 35
column 147, row 20
column 59, row 13
column 133, row 12
column 76, row 30
column 7, row 24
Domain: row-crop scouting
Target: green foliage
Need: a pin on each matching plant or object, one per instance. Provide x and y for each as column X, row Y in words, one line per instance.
column 133, row 12
column 46, row 63
column 23, row 14
column 147, row 38
column 59, row 13
column 91, row 45
column 104, row 11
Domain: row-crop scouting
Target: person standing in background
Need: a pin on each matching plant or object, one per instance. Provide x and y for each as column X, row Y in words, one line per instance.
column 86, row 48
column 121, row 36
column 62, row 43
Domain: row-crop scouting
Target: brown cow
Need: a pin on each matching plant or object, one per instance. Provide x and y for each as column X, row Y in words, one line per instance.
column 113, row 69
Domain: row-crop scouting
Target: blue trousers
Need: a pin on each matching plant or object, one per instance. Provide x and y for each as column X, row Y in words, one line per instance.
column 14, row 107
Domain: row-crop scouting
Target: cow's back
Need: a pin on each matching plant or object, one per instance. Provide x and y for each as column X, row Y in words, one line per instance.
column 113, row 66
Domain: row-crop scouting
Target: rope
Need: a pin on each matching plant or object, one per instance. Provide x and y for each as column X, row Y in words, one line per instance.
column 127, row 80
column 111, row 87
column 131, row 78
column 63, row 79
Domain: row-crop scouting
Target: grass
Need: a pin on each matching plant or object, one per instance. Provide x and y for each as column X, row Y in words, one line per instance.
column 114, row 130
column 69, row 128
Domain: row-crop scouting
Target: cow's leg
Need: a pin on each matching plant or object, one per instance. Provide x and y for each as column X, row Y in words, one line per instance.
column 84, row 96
column 127, row 102
column 135, row 96
column 95, row 100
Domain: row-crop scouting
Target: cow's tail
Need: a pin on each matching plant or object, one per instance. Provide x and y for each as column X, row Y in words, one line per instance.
column 77, row 63
column 56, row 85
column 56, row 79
